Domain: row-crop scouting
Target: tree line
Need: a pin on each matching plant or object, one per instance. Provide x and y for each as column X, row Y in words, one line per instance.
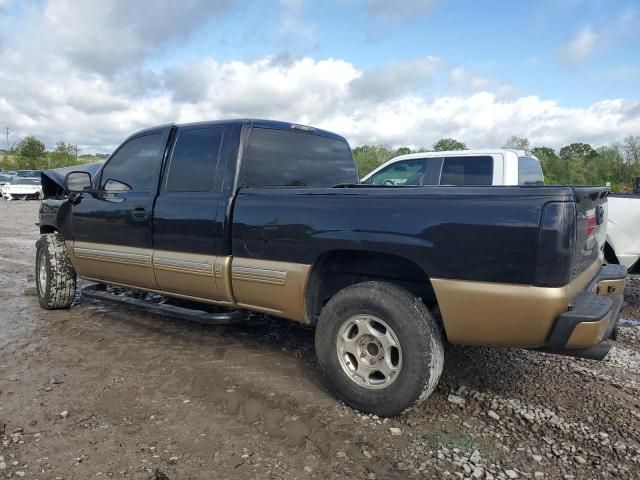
column 31, row 154
column 577, row 163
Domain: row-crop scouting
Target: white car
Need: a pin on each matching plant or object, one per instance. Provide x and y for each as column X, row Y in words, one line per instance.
column 509, row 167
column 22, row 188
column 623, row 229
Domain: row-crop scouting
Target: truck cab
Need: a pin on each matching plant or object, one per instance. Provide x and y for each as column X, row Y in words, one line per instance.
column 460, row 167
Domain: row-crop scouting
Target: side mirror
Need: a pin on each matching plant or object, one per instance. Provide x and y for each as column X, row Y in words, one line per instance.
column 77, row 182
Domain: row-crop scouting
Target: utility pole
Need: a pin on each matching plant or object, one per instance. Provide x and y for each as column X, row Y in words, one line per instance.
column 6, row 152
column 76, row 153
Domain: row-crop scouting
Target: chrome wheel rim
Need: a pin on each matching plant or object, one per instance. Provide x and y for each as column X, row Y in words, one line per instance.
column 369, row 351
column 42, row 272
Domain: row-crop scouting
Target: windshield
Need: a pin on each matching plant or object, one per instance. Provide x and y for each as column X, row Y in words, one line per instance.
column 25, row 181
column 5, row 178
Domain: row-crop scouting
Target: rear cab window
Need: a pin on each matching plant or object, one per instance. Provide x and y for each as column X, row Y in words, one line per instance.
column 291, row 158
column 194, row 159
column 467, row 170
column 529, row 171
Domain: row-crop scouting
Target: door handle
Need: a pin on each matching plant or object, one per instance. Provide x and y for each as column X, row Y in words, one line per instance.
column 140, row 213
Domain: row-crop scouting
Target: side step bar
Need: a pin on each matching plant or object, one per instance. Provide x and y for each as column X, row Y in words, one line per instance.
column 222, row 317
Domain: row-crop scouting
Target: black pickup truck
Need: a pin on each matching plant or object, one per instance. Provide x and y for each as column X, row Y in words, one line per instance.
column 268, row 216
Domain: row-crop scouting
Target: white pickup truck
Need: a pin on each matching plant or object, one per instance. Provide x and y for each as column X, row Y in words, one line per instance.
column 508, row 167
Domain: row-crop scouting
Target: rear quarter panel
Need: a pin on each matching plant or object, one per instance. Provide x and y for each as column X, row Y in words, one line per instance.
column 476, row 233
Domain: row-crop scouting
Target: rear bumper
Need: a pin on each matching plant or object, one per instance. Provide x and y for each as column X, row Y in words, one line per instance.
column 582, row 330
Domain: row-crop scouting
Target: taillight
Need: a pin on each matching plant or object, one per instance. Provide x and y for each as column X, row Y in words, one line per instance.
column 591, row 223
column 556, row 244
column 595, row 218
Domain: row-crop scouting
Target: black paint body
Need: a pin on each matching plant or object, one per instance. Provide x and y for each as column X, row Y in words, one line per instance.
column 469, row 233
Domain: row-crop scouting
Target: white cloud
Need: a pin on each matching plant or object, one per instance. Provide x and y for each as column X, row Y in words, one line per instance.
column 97, row 112
column 396, row 79
column 106, row 36
column 80, row 88
column 463, row 81
column 590, row 39
column 395, row 13
column 581, row 47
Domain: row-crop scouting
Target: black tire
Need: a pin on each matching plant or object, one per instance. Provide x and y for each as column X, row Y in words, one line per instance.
column 420, row 341
column 55, row 276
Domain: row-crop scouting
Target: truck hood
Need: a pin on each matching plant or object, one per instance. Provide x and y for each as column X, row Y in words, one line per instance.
column 53, row 180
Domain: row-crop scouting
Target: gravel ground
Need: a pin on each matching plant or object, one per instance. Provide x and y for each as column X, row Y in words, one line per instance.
column 102, row 391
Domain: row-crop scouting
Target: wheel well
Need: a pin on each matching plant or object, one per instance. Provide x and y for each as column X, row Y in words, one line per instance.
column 47, row 229
column 609, row 254
column 336, row 270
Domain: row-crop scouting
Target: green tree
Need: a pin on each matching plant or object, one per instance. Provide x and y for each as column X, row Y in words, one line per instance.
column 610, row 167
column 631, row 149
column 448, row 144
column 63, row 155
column 370, row 157
column 554, row 169
column 30, row 152
column 583, row 150
column 517, row 143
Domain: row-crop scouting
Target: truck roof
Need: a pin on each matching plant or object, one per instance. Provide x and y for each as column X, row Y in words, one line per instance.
column 468, row 152
column 256, row 122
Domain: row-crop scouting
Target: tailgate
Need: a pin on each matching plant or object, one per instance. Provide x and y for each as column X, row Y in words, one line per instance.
column 591, row 230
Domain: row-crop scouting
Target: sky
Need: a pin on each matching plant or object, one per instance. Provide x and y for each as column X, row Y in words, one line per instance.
column 394, row 72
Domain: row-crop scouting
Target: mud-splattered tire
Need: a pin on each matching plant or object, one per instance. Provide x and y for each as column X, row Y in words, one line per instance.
column 379, row 348
column 55, row 276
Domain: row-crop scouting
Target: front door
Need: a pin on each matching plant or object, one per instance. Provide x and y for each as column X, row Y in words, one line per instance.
column 112, row 227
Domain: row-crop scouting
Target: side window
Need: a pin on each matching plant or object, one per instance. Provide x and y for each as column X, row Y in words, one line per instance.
column 193, row 163
column 407, row 172
column 135, row 165
column 467, row 171
column 529, row 171
column 297, row 159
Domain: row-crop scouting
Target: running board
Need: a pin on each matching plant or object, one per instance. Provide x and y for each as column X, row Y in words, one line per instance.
column 224, row 317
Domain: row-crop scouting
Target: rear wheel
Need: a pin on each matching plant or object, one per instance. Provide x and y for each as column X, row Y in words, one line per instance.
column 55, row 276
column 379, row 348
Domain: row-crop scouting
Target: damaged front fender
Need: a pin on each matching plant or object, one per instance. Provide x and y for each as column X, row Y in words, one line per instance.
column 55, row 208
column 53, row 180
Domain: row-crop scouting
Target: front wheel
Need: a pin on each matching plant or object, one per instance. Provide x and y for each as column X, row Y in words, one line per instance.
column 55, row 276
column 379, row 348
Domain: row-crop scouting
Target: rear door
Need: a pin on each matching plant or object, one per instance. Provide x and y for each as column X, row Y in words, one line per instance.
column 112, row 226
column 190, row 212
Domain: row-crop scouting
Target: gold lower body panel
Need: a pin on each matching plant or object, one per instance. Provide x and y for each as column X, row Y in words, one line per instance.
column 485, row 313
column 113, row 263
column 185, row 274
column 273, row 287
